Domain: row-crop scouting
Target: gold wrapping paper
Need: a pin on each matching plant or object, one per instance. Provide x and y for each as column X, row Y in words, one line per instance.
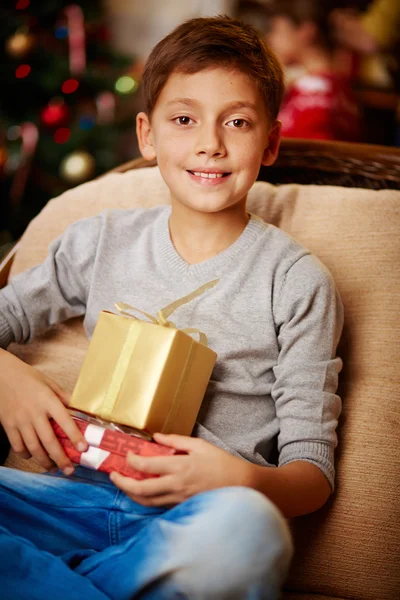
column 148, row 376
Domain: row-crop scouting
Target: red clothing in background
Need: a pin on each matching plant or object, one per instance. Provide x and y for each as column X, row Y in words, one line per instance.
column 320, row 106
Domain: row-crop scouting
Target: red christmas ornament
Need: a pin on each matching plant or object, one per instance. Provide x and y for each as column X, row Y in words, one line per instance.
column 54, row 115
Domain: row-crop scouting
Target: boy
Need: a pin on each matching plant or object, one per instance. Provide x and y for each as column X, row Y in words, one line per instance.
column 209, row 526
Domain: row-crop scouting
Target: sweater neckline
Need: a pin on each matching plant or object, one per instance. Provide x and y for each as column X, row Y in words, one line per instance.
column 212, row 266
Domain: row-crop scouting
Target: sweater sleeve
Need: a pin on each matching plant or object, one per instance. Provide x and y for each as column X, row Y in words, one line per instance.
column 54, row 290
column 309, row 318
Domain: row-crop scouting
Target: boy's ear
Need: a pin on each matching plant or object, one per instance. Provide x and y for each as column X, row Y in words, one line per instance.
column 145, row 136
column 274, row 140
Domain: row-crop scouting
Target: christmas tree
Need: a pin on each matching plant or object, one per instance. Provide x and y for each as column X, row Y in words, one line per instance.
column 65, row 107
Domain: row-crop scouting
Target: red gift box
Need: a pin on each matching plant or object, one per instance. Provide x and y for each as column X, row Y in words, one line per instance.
column 108, row 448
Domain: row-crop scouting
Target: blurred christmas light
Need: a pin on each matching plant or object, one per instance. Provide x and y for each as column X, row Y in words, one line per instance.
column 12, row 163
column 77, row 167
column 21, row 4
column 13, row 133
column 61, row 32
column 70, row 86
column 62, row 135
column 3, row 156
column 77, row 47
column 125, row 84
column 30, row 138
column 86, row 122
column 105, row 103
column 54, row 114
column 20, row 44
column 22, row 71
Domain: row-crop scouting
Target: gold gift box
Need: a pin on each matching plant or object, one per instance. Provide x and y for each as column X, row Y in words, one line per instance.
column 148, row 376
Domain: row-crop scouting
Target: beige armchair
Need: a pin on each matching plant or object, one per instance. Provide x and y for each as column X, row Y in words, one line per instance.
column 350, row 548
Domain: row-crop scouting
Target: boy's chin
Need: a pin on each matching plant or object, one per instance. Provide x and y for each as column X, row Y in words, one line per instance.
column 209, row 207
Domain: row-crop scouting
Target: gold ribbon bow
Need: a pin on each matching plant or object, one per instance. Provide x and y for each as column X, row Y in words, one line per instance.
column 164, row 313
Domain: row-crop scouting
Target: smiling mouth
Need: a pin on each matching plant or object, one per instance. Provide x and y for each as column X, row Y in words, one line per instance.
column 206, row 175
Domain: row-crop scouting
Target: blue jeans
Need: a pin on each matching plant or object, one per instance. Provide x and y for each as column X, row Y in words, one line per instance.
column 82, row 538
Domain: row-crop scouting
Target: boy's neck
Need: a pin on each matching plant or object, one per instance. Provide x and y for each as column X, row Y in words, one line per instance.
column 200, row 236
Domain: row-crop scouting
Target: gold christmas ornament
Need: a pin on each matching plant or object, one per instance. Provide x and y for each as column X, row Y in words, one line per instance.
column 20, row 44
column 77, row 167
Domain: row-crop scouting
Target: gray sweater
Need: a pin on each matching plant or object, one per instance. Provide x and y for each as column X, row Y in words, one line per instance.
column 274, row 320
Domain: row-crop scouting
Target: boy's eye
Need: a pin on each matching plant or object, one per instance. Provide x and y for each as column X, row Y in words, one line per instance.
column 183, row 120
column 238, row 123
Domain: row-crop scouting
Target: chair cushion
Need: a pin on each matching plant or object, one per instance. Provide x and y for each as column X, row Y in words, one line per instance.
column 349, row 548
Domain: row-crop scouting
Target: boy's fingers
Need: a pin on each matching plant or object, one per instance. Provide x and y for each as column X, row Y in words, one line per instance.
column 52, row 446
column 35, row 448
column 179, row 442
column 67, row 424
column 155, row 465
column 17, row 443
column 146, row 488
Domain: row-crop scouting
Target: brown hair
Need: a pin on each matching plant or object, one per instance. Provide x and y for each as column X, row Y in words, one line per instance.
column 203, row 43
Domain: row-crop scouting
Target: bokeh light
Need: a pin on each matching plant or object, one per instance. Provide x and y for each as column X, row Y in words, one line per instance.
column 86, row 122
column 13, row 133
column 22, row 71
column 70, row 86
column 62, row 135
column 125, row 85
column 61, row 32
column 21, row 4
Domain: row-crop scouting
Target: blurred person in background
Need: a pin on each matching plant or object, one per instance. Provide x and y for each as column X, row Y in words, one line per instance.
column 375, row 35
column 318, row 103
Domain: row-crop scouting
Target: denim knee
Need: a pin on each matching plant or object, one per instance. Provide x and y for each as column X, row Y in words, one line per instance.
column 260, row 533
column 240, row 547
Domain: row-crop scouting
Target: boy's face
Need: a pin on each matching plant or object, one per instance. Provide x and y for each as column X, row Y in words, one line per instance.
column 210, row 133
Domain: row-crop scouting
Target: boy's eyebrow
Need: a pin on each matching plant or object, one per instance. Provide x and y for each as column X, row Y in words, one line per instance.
column 233, row 105
column 241, row 104
column 186, row 101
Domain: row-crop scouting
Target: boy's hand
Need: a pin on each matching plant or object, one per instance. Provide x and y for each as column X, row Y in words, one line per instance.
column 205, row 467
column 28, row 399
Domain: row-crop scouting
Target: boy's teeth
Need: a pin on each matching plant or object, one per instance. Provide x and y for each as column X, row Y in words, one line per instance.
column 207, row 175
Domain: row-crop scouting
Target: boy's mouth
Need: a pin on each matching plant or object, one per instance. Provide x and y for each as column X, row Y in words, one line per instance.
column 208, row 174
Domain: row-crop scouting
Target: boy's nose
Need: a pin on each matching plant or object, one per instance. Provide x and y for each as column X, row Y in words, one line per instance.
column 210, row 141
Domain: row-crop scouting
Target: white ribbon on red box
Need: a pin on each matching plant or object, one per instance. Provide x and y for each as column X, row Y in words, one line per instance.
column 94, row 456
